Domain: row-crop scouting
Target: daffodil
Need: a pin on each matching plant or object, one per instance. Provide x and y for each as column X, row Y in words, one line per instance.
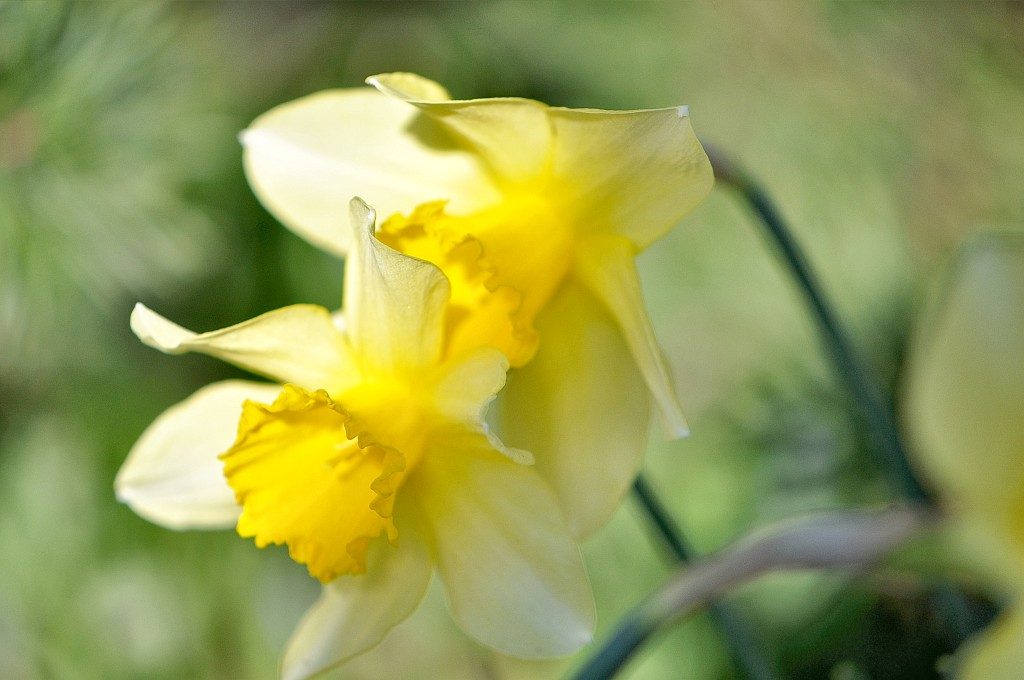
column 535, row 213
column 372, row 463
column 965, row 392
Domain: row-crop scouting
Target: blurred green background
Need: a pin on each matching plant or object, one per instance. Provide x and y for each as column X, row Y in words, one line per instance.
column 886, row 132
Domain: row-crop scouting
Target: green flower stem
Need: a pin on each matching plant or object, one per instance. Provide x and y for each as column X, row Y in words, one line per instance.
column 876, row 412
column 748, row 653
column 849, row 540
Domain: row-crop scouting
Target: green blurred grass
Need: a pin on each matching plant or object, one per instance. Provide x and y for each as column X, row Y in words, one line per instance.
column 887, row 132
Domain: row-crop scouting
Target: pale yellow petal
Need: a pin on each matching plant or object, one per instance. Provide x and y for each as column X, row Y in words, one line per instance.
column 581, row 407
column 470, row 385
column 966, row 385
column 354, row 613
column 297, row 344
column 633, row 172
column 410, row 87
column 306, row 159
column 605, row 265
column 513, row 575
column 465, row 393
column 998, row 652
column 513, row 135
column 172, row 475
column 394, row 304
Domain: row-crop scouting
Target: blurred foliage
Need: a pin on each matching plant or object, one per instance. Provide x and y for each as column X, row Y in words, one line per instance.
column 886, row 132
column 101, row 136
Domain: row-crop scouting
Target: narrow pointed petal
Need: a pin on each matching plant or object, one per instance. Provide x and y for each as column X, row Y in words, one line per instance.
column 297, row 344
column 605, row 265
column 636, row 173
column 172, row 475
column 512, row 134
column 512, row 573
column 306, row 159
column 354, row 613
column 581, row 408
column 394, row 304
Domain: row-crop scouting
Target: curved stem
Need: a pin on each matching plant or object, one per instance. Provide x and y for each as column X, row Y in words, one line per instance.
column 747, row 652
column 876, row 412
column 849, row 540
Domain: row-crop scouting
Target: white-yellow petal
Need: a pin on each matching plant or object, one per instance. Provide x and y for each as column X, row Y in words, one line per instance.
column 297, row 344
column 306, row 159
column 172, row 475
column 605, row 265
column 581, row 407
column 470, row 385
column 354, row 613
column 513, row 575
column 467, row 390
column 409, row 87
column 966, row 384
column 512, row 134
column 997, row 653
column 394, row 303
column 636, row 173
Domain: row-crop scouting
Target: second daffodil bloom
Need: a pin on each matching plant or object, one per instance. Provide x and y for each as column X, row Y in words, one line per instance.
column 535, row 213
column 372, row 463
column 966, row 391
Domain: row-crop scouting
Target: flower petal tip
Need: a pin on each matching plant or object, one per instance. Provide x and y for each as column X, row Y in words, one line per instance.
column 520, row 456
column 572, row 640
column 362, row 214
column 301, row 669
column 128, row 497
column 156, row 331
column 680, row 431
column 409, row 87
column 123, row 490
column 132, row 493
column 677, row 430
column 670, row 414
column 673, row 422
column 259, row 139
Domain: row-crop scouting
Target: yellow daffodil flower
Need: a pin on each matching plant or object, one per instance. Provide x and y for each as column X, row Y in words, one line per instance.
column 372, row 463
column 535, row 213
column 966, row 391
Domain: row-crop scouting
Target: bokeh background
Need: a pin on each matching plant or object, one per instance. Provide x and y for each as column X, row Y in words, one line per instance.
column 886, row 132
